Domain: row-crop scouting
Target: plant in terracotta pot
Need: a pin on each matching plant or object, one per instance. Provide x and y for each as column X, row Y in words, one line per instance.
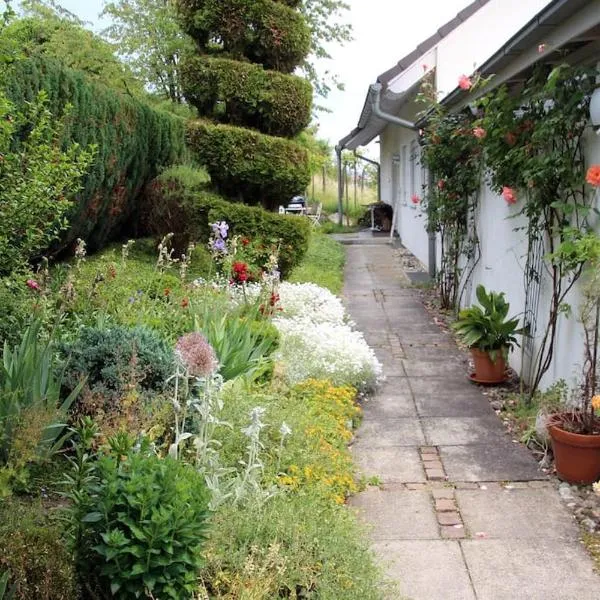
column 490, row 335
column 575, row 432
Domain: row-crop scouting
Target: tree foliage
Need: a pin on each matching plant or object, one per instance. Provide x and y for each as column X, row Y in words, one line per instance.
column 149, row 37
column 325, row 19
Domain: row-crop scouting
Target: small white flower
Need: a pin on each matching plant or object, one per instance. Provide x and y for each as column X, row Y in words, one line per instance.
column 285, row 429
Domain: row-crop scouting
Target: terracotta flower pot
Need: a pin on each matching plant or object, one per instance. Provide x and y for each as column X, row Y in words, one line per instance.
column 577, row 456
column 486, row 370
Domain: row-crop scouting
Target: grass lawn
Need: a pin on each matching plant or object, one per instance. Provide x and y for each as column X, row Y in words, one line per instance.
column 323, row 264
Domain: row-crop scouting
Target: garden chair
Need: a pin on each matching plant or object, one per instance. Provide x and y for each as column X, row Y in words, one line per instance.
column 316, row 216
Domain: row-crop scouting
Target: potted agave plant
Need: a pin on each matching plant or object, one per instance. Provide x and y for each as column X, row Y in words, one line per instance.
column 489, row 333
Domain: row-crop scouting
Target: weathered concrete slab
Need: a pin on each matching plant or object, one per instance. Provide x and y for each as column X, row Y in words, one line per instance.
column 444, row 387
column 451, row 369
column 530, row 570
column 436, row 405
column 389, row 406
column 496, row 461
column 447, row 431
column 387, row 512
column 416, row 564
column 390, row 465
column 438, row 354
column 392, row 432
column 516, row 514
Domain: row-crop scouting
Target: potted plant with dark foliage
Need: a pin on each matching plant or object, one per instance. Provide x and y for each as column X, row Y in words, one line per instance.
column 490, row 335
column 575, row 432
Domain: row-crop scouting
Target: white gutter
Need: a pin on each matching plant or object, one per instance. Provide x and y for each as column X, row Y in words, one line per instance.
column 380, row 114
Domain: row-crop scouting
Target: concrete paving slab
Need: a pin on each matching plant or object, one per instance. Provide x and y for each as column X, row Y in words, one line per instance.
column 452, row 369
column 444, row 387
column 423, row 338
column 389, row 406
column 396, row 514
column 517, row 514
column 417, row 564
column 392, row 432
column 530, row 570
column 390, row 465
column 438, row 354
column 496, row 461
column 459, row 431
column 395, row 385
column 452, row 406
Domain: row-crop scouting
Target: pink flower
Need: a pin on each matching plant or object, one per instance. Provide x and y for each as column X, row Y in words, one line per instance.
column 415, row 199
column 542, row 48
column 509, row 195
column 441, row 184
column 479, row 133
column 464, row 82
column 196, row 354
column 32, row 284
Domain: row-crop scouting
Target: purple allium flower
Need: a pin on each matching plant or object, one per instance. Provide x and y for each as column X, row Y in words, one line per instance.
column 196, row 354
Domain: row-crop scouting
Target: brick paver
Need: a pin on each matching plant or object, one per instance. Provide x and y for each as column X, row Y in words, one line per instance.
column 462, row 512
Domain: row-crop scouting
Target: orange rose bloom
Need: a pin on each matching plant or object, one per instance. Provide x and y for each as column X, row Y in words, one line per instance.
column 593, row 175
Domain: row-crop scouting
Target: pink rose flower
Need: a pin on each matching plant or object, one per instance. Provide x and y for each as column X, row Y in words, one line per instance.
column 32, row 284
column 464, row 82
column 509, row 195
column 479, row 133
column 415, row 199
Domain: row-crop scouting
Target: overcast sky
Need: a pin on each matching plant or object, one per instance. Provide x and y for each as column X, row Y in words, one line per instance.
column 384, row 31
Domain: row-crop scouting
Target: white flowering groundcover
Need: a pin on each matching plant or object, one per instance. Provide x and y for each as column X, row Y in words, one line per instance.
column 318, row 341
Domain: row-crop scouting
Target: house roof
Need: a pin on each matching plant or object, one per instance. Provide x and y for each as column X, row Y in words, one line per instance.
column 534, row 32
column 519, row 47
column 368, row 125
column 431, row 41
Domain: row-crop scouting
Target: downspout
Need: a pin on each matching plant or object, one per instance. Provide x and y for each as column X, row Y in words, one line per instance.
column 338, row 153
column 394, row 120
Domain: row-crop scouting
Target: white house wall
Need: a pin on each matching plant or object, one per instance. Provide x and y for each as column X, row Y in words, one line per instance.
column 400, row 152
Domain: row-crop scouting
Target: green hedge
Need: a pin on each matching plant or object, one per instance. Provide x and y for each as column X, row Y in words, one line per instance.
column 249, row 166
column 133, row 141
column 266, row 32
column 175, row 203
column 292, row 232
column 245, row 94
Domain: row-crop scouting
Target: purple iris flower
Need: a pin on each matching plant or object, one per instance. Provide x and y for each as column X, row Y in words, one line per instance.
column 219, row 245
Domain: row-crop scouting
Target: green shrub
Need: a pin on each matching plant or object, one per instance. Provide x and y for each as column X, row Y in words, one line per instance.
column 245, row 94
column 246, row 165
column 291, row 233
column 33, row 551
column 263, row 31
column 117, row 358
column 139, row 522
column 294, row 546
column 177, row 203
column 133, row 142
column 39, row 179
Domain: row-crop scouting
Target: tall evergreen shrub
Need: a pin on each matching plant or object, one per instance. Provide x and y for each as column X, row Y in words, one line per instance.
column 241, row 78
column 132, row 142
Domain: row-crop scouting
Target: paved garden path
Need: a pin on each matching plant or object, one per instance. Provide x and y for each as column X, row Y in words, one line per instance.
column 462, row 512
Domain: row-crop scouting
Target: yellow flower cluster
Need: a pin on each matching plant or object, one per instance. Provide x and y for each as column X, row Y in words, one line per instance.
column 332, row 411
